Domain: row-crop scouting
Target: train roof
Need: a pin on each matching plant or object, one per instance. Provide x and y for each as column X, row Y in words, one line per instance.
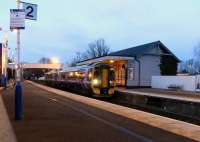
column 82, row 67
column 76, row 68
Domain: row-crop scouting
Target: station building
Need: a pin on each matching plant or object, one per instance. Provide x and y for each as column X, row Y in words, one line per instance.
column 135, row 66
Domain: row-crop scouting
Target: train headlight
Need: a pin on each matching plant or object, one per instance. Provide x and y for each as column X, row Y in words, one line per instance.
column 71, row 74
column 111, row 83
column 95, row 82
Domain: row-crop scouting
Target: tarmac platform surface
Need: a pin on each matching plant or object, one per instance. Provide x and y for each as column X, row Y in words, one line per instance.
column 52, row 118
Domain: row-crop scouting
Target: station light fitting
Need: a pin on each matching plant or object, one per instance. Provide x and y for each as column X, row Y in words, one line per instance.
column 112, row 61
column 14, row 30
column 54, row 60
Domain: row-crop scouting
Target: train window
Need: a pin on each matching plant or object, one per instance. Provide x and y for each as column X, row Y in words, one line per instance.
column 81, row 75
column 96, row 72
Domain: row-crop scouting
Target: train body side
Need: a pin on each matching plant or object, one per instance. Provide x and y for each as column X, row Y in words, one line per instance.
column 93, row 80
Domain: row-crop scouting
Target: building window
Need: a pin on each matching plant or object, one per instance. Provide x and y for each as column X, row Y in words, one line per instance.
column 131, row 71
column 130, row 74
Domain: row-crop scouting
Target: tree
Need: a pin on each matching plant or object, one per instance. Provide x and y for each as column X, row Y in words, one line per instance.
column 76, row 59
column 197, row 58
column 183, row 67
column 97, row 48
column 44, row 60
column 191, row 66
column 197, row 51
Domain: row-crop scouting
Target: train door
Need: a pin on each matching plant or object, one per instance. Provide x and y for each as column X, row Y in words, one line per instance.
column 104, row 77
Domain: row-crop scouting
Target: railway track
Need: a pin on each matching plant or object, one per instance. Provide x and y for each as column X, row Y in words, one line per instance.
column 157, row 111
column 151, row 109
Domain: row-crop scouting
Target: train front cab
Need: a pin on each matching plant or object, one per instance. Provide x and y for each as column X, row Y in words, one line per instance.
column 103, row 81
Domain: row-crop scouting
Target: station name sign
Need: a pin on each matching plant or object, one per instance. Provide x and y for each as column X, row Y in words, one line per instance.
column 17, row 19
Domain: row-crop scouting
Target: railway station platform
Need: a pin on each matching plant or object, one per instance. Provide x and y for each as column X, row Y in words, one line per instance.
column 51, row 115
column 161, row 93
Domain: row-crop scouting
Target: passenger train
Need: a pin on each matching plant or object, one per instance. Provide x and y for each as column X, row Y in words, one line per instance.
column 96, row 79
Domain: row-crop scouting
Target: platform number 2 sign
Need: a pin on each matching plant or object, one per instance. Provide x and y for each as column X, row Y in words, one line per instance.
column 30, row 10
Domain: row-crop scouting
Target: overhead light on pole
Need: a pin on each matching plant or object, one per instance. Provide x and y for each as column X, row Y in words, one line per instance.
column 54, row 60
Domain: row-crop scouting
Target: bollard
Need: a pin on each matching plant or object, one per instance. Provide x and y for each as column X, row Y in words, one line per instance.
column 18, row 101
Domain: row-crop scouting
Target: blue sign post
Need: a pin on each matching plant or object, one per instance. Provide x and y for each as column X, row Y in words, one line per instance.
column 18, row 101
column 17, row 22
column 18, row 16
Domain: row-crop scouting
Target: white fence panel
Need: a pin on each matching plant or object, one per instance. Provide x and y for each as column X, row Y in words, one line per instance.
column 188, row 83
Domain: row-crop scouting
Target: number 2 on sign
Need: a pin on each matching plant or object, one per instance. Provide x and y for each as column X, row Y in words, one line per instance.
column 30, row 11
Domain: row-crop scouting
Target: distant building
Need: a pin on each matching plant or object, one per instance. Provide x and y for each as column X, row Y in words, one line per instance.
column 135, row 66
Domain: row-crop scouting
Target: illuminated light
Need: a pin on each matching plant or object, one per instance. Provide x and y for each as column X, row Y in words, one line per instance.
column 71, row 74
column 95, row 82
column 54, row 60
column 111, row 61
column 90, row 75
column 14, row 30
column 112, row 83
column 15, row 65
column 76, row 73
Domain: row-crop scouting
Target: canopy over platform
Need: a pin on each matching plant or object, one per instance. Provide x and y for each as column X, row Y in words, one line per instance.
column 38, row 66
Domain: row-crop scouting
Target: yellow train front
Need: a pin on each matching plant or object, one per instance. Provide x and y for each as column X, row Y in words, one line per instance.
column 101, row 78
column 96, row 79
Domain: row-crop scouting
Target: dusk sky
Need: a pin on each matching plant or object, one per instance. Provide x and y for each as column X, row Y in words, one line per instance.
column 65, row 27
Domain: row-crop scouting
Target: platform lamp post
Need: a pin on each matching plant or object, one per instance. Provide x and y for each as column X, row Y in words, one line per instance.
column 18, row 88
column 4, row 56
column 9, row 52
column 3, row 59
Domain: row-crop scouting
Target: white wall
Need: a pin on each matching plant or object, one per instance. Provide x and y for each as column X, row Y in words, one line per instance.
column 149, row 67
column 135, row 81
column 163, row 82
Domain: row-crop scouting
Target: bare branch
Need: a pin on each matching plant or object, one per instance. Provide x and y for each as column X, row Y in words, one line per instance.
column 44, row 60
column 95, row 49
